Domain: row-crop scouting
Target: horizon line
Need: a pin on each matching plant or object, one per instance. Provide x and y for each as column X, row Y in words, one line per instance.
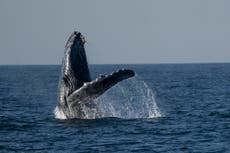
column 123, row 63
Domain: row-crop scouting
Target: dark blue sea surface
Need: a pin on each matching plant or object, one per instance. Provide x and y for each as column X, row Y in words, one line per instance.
column 194, row 102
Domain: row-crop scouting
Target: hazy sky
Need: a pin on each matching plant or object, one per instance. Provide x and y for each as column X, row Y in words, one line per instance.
column 117, row 31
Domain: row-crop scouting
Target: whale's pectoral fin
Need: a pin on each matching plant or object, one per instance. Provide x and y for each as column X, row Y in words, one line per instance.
column 97, row 87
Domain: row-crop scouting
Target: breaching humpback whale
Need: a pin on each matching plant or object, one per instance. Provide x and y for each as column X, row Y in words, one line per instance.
column 76, row 89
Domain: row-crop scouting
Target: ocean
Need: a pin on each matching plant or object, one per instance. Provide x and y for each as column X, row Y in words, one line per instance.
column 166, row 108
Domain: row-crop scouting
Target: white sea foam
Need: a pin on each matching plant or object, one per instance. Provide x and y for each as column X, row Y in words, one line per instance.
column 59, row 114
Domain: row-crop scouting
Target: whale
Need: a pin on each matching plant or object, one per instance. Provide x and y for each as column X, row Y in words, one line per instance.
column 76, row 90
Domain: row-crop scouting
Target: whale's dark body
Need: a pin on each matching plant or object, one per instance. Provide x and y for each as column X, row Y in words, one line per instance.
column 76, row 89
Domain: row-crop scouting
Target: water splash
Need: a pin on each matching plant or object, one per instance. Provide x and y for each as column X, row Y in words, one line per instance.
column 129, row 99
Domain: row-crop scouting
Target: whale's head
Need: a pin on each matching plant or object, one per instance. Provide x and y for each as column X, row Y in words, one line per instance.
column 76, row 61
column 75, row 69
